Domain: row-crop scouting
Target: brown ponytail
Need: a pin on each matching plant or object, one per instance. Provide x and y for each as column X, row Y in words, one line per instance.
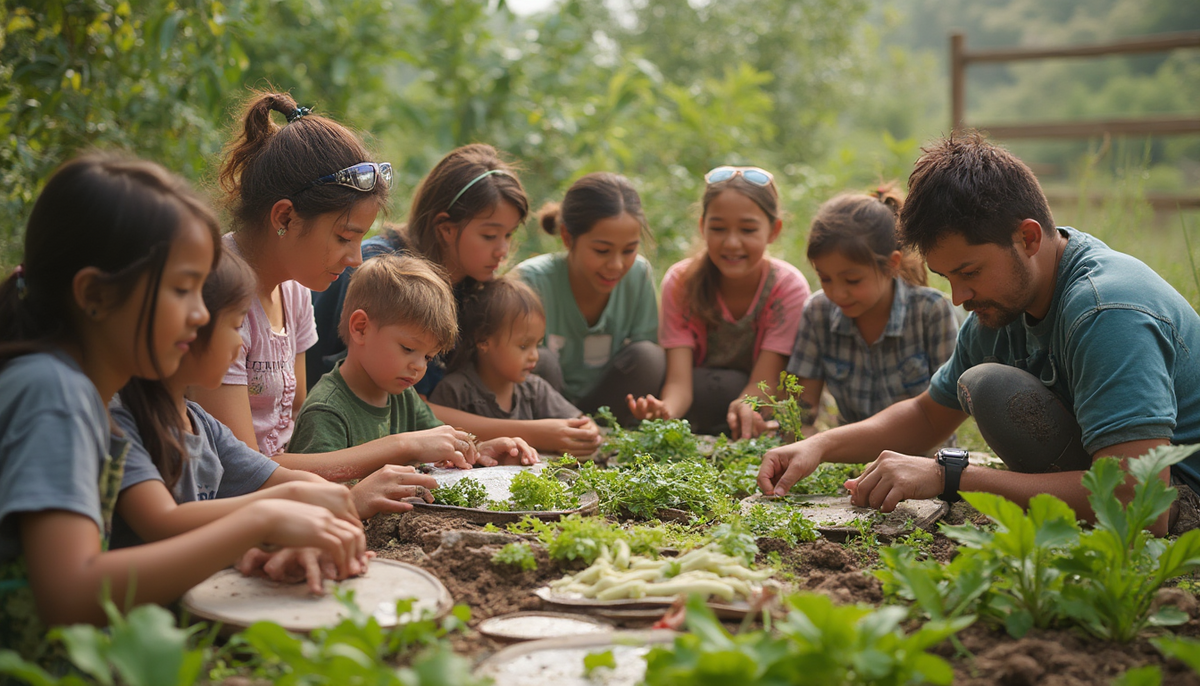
column 267, row 163
column 702, row 279
column 863, row 228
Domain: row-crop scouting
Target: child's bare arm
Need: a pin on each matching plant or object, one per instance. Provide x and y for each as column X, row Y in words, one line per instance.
column 574, row 436
column 151, row 511
column 67, row 568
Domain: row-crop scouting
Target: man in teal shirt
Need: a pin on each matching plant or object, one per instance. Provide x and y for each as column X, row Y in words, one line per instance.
column 1072, row 351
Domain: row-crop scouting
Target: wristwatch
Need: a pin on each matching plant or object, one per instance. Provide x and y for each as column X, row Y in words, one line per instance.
column 953, row 462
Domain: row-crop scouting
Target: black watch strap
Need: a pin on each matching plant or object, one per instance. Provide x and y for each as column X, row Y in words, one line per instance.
column 953, row 462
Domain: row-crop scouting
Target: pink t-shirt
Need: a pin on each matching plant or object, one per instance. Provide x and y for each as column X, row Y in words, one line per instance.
column 266, row 364
column 775, row 327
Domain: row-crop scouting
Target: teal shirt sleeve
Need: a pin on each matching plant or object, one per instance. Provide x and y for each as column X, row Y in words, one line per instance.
column 1122, row 368
column 943, row 388
column 645, row 319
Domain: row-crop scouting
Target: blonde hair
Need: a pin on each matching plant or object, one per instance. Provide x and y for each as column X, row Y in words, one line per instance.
column 395, row 289
column 494, row 307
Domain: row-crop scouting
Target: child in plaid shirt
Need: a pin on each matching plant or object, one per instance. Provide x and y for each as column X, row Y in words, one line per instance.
column 876, row 332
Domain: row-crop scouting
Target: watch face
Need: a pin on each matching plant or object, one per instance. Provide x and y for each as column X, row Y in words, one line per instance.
column 953, row 455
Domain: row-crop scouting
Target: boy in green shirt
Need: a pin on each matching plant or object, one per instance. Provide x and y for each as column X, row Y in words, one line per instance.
column 399, row 313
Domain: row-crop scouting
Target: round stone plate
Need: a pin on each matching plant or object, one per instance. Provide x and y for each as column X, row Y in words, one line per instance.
column 531, row 626
column 834, row 515
column 559, row 661
column 497, row 481
column 613, row 609
column 239, row 601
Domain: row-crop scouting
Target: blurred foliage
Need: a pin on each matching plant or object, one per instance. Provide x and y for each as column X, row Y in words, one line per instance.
column 829, row 95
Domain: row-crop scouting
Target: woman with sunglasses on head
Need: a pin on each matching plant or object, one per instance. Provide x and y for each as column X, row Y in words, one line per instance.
column 730, row 314
column 302, row 197
column 601, row 312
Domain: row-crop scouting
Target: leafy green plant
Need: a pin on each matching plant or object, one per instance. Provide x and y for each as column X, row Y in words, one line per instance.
column 143, row 648
column 735, row 541
column 540, row 493
column 1025, row 549
column 466, row 492
column 939, row 590
column 827, row 479
column 647, row 487
column 817, row 643
column 786, row 411
column 775, row 521
column 357, row 650
column 663, row 439
column 517, row 555
column 1118, row 566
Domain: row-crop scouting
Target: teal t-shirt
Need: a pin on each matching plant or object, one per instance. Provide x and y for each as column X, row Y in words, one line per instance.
column 1116, row 347
column 333, row 417
column 631, row 315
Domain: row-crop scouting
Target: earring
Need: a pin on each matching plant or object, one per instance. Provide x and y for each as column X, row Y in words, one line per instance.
column 282, row 230
column 93, row 313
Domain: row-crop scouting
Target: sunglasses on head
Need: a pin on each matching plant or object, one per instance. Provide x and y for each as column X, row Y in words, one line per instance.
column 361, row 177
column 755, row 175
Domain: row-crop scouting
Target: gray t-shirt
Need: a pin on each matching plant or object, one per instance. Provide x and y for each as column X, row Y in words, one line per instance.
column 532, row 399
column 54, row 443
column 219, row 465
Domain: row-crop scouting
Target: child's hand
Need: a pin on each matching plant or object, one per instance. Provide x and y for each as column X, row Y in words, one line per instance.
column 577, row 436
column 745, row 422
column 288, row 523
column 382, row 490
column 441, row 445
column 332, row 496
column 293, row 565
column 506, row 451
column 647, row 407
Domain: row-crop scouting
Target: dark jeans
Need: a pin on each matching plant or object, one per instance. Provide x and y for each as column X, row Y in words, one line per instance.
column 712, row 392
column 1034, row 433
column 639, row 369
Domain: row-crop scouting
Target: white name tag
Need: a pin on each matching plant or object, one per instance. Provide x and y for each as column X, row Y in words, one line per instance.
column 597, row 349
column 555, row 342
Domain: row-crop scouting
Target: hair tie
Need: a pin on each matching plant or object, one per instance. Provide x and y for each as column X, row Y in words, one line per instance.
column 476, row 180
column 297, row 113
column 22, row 289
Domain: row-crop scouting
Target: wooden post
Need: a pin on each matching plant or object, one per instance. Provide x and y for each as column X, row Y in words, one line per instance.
column 958, row 81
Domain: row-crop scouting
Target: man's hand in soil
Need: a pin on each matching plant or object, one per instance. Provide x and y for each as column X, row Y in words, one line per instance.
column 506, row 451
column 782, row 467
column 894, row 477
column 383, row 490
column 294, row 565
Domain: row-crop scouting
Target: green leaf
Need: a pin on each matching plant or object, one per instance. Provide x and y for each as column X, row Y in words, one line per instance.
column 148, row 649
column 1185, row 650
column 12, row 665
column 594, row 661
column 1168, row 615
column 88, row 649
column 1149, row 675
column 1018, row 623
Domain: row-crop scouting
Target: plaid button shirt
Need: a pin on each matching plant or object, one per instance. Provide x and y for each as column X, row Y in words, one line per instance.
column 864, row 379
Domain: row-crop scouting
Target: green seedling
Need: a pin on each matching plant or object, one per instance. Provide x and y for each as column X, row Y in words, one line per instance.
column 516, row 554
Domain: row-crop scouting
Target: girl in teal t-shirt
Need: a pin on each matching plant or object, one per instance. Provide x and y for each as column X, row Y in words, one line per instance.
column 601, row 313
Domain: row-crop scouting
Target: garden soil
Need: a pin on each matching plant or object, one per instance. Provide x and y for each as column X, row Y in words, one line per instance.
column 459, row 554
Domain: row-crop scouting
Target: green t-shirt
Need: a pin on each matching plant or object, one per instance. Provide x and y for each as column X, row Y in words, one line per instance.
column 631, row 315
column 333, row 417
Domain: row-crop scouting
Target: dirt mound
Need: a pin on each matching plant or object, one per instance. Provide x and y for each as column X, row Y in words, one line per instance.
column 1053, row 658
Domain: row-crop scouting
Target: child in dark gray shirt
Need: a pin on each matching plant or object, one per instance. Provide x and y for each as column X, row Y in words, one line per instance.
column 502, row 326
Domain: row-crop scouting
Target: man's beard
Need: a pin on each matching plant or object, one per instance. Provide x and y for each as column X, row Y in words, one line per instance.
column 1000, row 315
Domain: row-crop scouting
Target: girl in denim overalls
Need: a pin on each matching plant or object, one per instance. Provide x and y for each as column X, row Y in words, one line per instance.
column 729, row 314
